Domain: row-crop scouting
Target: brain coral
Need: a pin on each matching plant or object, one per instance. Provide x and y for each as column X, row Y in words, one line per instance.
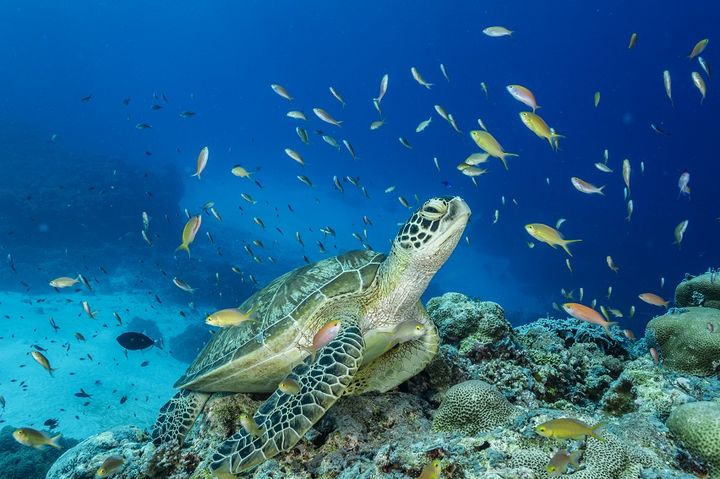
column 472, row 407
column 703, row 290
column 685, row 341
column 697, row 425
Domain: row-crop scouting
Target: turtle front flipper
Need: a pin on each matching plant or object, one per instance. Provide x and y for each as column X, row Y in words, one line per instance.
column 284, row 418
column 177, row 416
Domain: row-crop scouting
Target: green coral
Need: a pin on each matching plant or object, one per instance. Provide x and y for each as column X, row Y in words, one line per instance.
column 466, row 321
column 685, row 341
column 697, row 425
column 703, row 290
column 472, row 407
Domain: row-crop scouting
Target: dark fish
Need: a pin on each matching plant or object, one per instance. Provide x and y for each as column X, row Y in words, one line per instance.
column 123, row 399
column 143, row 126
column 86, row 98
column 165, row 98
column 144, row 363
column 156, row 107
column 51, row 423
column 126, row 101
column 11, row 262
column 54, row 326
column 39, row 348
column 83, row 394
column 118, row 318
column 187, row 114
column 135, row 341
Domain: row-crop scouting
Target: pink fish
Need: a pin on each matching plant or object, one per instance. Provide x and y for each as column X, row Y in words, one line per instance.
column 654, row 355
column 683, row 184
column 324, row 335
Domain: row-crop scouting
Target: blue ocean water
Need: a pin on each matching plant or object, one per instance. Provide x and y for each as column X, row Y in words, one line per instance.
column 79, row 173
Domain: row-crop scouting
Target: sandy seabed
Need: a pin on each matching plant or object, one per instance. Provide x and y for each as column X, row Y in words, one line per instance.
column 33, row 396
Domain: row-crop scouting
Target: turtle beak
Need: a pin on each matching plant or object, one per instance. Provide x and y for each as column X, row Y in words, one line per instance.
column 458, row 210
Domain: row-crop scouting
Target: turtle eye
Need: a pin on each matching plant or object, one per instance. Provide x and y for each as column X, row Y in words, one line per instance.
column 434, row 210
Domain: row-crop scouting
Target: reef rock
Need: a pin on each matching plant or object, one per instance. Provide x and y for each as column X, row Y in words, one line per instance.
column 703, row 290
column 83, row 460
column 688, row 339
column 462, row 321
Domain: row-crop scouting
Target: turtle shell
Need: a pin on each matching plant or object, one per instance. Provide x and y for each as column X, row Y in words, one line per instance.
column 286, row 310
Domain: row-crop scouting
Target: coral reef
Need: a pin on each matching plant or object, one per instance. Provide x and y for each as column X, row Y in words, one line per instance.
column 472, row 407
column 697, row 425
column 685, row 341
column 22, row 462
column 475, row 408
column 703, row 290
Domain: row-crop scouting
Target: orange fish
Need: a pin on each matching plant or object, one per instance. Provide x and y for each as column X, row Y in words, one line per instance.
column 654, row 299
column 579, row 311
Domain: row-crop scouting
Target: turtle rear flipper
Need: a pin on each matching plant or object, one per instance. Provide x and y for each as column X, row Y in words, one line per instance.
column 177, row 416
column 285, row 418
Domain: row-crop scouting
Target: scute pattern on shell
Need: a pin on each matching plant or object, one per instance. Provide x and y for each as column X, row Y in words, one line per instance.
column 288, row 300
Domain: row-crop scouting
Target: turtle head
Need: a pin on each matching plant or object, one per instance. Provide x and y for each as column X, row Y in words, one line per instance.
column 433, row 231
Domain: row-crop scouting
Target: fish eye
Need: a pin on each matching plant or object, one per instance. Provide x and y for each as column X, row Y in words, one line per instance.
column 541, row 429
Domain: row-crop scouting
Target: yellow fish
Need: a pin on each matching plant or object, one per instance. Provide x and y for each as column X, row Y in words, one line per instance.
column 538, row 126
column 189, row 231
column 568, row 428
column 110, row 466
column 490, row 145
column 699, row 84
column 228, row 317
column 240, row 172
column 698, row 48
column 431, row 471
column 560, row 461
column 64, row 282
column 43, row 361
column 202, row 160
column 250, row 425
column 633, row 40
column 548, row 234
column 597, row 98
column 33, row 438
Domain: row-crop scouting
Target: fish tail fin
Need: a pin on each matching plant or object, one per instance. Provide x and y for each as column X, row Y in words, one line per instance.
column 666, row 304
column 428, row 85
column 600, row 190
column 504, row 162
column 595, row 429
column 606, row 327
column 50, row 371
column 567, row 242
column 184, row 247
column 53, row 442
column 575, row 458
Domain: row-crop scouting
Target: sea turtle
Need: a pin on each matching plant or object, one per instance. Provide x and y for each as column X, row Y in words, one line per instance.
column 375, row 298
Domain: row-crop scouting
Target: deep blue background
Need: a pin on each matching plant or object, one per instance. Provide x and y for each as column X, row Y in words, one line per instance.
column 219, row 58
